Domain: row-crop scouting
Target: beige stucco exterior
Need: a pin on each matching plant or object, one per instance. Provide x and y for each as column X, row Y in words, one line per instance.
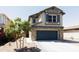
column 71, row 33
column 33, row 32
column 5, row 21
column 41, row 21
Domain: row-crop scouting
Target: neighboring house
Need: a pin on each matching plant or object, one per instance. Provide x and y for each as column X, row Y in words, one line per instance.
column 4, row 21
column 47, row 24
column 71, row 32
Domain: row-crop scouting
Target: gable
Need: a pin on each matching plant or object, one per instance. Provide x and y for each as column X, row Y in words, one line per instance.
column 54, row 10
column 51, row 10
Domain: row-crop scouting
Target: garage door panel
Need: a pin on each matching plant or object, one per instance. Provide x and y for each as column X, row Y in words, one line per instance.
column 46, row 35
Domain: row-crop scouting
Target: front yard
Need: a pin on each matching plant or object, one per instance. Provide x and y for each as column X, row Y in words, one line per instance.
column 47, row 46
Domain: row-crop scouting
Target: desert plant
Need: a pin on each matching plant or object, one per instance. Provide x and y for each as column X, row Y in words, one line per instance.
column 14, row 31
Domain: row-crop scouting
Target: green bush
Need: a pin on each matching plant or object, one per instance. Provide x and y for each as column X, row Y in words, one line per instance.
column 9, row 37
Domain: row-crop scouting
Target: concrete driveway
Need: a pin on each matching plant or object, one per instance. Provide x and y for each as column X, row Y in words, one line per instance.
column 58, row 46
column 48, row 46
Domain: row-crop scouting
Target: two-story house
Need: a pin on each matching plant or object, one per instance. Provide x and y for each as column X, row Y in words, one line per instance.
column 4, row 21
column 47, row 24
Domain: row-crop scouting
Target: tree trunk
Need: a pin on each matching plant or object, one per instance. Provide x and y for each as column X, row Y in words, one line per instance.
column 23, row 42
column 17, row 44
column 15, row 38
column 20, row 42
column 27, row 33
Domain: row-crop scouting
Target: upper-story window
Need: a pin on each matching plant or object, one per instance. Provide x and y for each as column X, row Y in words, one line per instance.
column 1, row 19
column 48, row 18
column 33, row 20
column 58, row 18
column 53, row 18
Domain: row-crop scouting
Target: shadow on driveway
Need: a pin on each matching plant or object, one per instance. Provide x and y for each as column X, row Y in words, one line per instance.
column 62, row 41
column 66, row 41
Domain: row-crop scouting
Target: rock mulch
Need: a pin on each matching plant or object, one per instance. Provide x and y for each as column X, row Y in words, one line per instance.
column 25, row 49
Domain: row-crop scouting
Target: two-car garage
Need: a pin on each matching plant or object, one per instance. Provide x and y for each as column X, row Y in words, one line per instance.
column 47, row 35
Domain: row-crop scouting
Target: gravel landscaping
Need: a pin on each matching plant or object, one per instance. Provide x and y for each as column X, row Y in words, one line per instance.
column 25, row 49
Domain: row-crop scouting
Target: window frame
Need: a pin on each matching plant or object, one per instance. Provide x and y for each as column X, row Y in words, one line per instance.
column 58, row 18
column 33, row 21
column 47, row 19
column 53, row 19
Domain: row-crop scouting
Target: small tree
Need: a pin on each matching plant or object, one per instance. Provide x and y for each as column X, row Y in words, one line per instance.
column 26, row 27
column 15, row 29
column 9, row 31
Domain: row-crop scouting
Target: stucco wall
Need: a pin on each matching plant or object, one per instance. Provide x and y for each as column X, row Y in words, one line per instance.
column 4, row 21
column 42, row 19
column 34, row 30
column 71, row 35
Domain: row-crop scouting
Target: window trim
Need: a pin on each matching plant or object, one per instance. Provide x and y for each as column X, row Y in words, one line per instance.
column 58, row 18
column 47, row 20
column 33, row 21
column 52, row 19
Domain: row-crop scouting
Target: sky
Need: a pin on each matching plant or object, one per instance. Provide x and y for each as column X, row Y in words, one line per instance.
column 69, row 19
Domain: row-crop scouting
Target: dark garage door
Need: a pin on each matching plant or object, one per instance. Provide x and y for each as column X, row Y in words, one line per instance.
column 47, row 35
